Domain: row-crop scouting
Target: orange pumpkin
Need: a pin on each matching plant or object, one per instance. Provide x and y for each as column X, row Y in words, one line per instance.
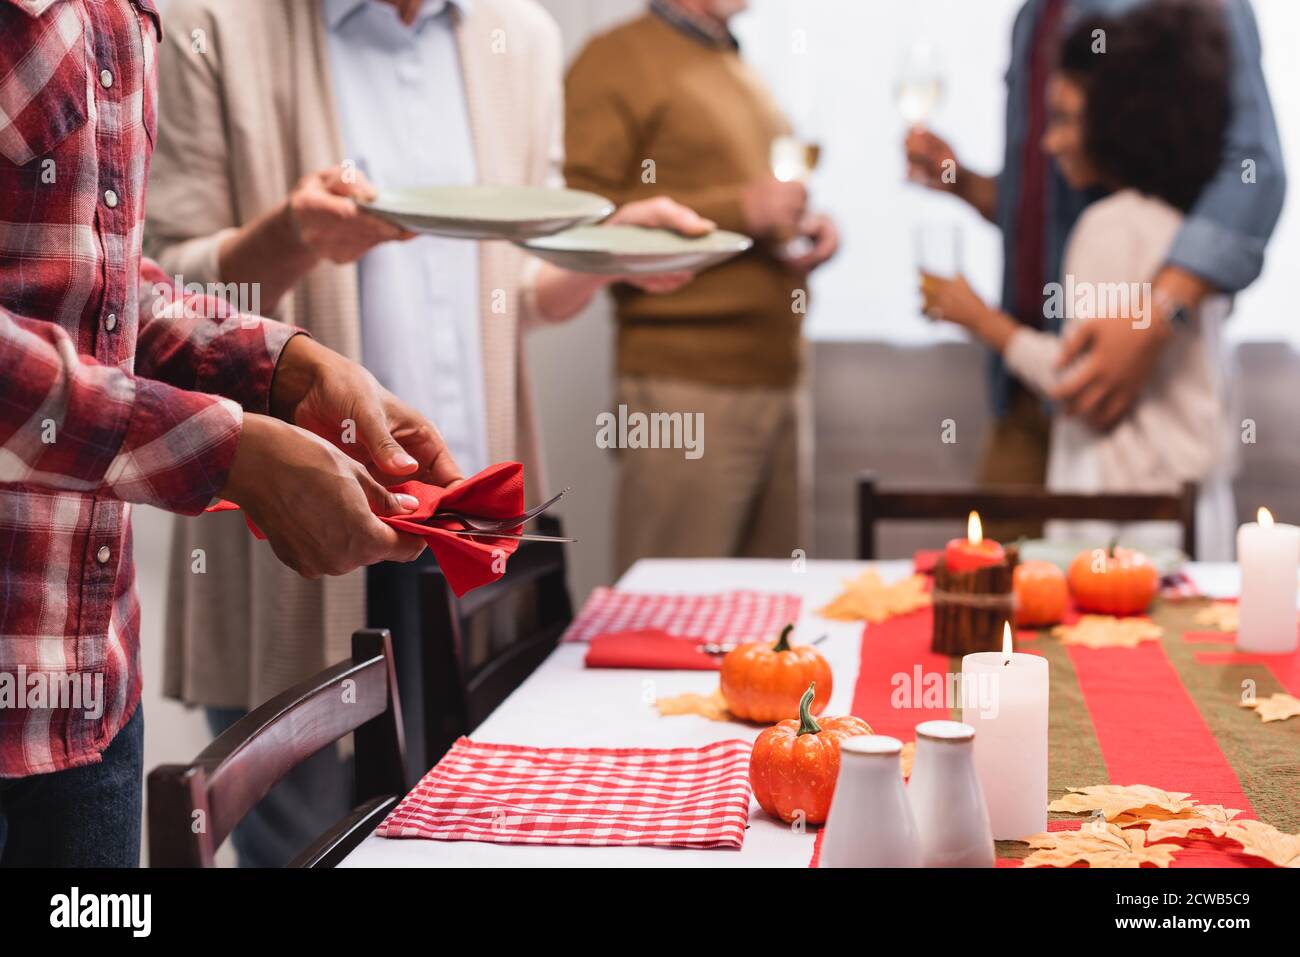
column 1119, row 581
column 1041, row 594
column 793, row 766
column 764, row 682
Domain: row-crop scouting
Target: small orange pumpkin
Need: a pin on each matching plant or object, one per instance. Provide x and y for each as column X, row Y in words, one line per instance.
column 1041, row 594
column 1118, row 581
column 794, row 764
column 764, row 682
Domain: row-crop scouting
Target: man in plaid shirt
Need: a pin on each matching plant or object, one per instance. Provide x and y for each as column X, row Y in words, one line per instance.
column 115, row 389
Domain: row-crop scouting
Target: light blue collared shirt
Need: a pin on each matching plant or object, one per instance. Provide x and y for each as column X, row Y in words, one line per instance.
column 404, row 122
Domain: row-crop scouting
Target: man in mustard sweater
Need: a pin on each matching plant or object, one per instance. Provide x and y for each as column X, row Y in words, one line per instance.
column 664, row 105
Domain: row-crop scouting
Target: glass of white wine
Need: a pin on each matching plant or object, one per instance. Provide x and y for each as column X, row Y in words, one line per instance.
column 938, row 246
column 919, row 85
column 792, row 159
column 919, row 88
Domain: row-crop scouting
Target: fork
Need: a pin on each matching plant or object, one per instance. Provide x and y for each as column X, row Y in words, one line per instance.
column 481, row 524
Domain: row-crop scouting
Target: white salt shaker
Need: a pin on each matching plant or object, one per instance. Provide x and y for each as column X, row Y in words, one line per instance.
column 947, row 801
column 870, row 822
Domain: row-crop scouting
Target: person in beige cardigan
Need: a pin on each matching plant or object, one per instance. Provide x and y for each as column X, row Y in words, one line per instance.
column 267, row 203
column 1120, row 122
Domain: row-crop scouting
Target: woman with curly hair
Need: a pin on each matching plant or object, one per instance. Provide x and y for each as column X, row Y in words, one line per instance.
column 1138, row 108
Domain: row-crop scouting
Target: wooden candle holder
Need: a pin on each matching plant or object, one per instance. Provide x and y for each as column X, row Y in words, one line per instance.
column 970, row 607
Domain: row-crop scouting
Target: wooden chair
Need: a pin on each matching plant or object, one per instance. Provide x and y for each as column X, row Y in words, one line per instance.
column 1009, row 503
column 480, row 648
column 194, row 807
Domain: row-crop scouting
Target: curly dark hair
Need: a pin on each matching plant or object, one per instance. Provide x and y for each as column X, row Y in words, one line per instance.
column 1157, row 98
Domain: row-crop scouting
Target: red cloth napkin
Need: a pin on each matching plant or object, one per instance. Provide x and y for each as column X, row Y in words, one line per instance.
column 731, row 617
column 649, row 648
column 504, row 794
column 497, row 491
column 924, row 560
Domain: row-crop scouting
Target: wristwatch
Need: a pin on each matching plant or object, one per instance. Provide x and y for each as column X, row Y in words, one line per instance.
column 1177, row 313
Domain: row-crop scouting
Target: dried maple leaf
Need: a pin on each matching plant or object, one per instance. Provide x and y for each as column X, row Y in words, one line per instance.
column 1114, row 800
column 712, row 706
column 1098, row 845
column 1214, row 818
column 1263, row 840
column 1107, row 631
column 1219, row 616
column 1276, row 707
column 867, row 598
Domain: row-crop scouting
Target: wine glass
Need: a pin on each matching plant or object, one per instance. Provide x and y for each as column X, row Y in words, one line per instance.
column 938, row 249
column 792, row 161
column 919, row 86
column 918, row 91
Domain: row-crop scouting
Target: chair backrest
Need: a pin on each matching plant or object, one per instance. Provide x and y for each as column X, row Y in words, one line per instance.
column 1010, row 503
column 194, row 807
column 480, row 648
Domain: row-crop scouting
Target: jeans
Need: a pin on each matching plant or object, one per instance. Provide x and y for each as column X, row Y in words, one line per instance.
column 87, row 816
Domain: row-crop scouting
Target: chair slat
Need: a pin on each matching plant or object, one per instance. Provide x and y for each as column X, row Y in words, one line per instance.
column 194, row 807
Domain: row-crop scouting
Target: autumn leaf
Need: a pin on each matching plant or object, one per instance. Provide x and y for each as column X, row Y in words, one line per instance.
column 1218, row 616
column 1114, row 800
column 712, row 706
column 1107, row 631
column 1214, row 818
column 1263, row 840
column 868, row 598
column 907, row 756
column 1098, row 845
column 1276, row 707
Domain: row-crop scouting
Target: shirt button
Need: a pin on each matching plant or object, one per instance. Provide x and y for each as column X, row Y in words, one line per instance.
column 110, row 199
column 105, row 79
column 110, row 323
column 103, row 555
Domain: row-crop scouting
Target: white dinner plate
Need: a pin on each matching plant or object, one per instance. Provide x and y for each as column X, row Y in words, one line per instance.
column 636, row 250
column 488, row 212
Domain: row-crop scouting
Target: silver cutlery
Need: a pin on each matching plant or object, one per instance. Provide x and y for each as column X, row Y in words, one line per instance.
column 521, row 537
column 722, row 647
column 485, row 524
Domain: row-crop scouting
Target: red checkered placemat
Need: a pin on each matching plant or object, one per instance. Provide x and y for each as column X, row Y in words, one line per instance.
column 504, row 794
column 734, row 616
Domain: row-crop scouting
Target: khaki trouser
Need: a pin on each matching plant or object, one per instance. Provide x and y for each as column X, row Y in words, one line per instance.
column 1016, row 454
column 740, row 498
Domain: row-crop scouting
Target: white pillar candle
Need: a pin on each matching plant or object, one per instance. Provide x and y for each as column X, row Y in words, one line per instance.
column 1004, row 698
column 1269, row 554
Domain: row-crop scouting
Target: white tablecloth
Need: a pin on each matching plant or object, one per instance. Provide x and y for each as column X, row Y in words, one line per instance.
column 564, row 704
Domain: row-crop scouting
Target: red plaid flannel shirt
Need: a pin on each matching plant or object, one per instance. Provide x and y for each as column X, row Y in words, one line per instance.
column 109, row 379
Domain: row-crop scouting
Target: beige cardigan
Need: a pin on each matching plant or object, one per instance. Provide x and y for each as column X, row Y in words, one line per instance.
column 1180, row 427
column 247, row 109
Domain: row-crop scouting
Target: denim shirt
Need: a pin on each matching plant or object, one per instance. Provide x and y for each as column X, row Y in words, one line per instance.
column 1224, row 235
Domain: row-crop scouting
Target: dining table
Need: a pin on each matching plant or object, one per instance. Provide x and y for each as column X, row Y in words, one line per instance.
column 1163, row 714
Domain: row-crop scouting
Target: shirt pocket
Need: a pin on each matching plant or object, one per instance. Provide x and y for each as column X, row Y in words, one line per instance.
column 43, row 94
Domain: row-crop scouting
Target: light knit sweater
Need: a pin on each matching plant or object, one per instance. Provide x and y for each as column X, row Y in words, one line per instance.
column 1180, row 428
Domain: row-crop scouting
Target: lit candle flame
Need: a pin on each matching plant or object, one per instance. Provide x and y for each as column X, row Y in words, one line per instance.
column 974, row 530
column 1006, row 642
column 1265, row 518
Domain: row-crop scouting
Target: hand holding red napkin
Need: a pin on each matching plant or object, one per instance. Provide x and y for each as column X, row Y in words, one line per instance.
column 496, row 492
